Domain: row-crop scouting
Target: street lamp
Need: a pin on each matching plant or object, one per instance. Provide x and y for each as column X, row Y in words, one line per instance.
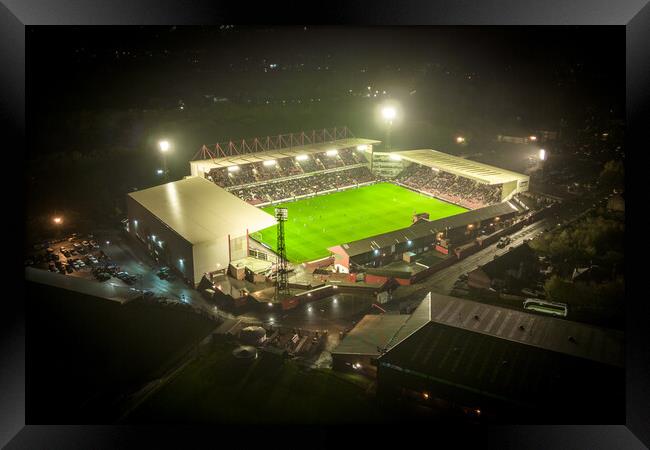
column 388, row 113
column 460, row 140
column 164, row 148
column 57, row 220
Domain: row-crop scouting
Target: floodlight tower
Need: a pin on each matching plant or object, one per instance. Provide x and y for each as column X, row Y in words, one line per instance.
column 281, row 279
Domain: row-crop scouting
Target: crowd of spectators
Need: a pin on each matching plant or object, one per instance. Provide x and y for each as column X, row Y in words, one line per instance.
column 285, row 167
column 319, row 182
column 449, row 187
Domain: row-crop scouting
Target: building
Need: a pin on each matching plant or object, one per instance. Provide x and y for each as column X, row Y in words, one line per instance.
column 193, row 225
column 373, row 335
column 508, row 364
column 422, row 236
column 514, row 269
column 510, row 183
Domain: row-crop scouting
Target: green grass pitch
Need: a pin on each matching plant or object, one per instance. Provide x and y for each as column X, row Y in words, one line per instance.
column 317, row 223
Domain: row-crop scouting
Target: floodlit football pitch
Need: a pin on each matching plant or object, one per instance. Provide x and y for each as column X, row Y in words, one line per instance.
column 317, row 223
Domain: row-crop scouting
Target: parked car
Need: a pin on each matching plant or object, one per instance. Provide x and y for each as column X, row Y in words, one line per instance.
column 85, row 244
column 81, row 263
column 533, row 293
column 93, row 244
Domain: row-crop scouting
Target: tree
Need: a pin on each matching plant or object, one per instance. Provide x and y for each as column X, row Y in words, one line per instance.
column 613, row 174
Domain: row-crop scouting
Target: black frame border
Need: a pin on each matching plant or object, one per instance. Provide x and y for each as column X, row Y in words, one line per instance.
column 634, row 15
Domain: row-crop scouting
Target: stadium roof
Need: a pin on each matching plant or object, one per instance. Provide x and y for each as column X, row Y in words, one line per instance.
column 423, row 228
column 377, row 332
column 593, row 343
column 107, row 290
column 200, row 211
column 288, row 152
column 467, row 168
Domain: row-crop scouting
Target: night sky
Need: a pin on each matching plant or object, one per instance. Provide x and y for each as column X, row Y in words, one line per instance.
column 543, row 72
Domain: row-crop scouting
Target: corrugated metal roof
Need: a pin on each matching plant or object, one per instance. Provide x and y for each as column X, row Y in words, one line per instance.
column 467, row 168
column 380, row 332
column 205, row 165
column 200, row 211
column 594, row 343
column 492, row 356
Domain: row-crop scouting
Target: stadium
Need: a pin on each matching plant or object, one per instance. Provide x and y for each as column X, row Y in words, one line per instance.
column 346, row 202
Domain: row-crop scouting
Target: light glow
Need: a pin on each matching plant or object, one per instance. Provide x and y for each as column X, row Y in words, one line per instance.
column 395, row 157
column 164, row 146
column 233, row 168
column 362, row 148
column 542, row 154
column 270, row 162
column 57, row 220
column 332, row 152
column 460, row 139
column 388, row 113
column 533, row 138
column 301, row 157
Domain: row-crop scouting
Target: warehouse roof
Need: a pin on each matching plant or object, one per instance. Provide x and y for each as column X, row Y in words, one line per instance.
column 376, row 333
column 494, row 357
column 205, row 165
column 483, row 173
column 199, row 210
column 423, row 228
column 589, row 342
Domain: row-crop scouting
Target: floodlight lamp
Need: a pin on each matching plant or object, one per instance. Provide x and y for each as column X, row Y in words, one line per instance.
column 388, row 113
column 331, row 152
column 233, row 168
column 542, row 154
column 395, row 157
column 301, row 157
column 362, row 148
column 270, row 162
column 164, row 146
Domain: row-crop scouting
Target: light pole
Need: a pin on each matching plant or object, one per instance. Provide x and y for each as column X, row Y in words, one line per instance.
column 388, row 113
column 164, row 148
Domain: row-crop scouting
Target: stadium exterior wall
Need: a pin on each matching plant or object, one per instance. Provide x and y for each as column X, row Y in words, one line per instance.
column 143, row 225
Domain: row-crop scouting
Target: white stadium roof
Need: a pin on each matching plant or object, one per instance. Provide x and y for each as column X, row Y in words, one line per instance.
column 205, row 165
column 483, row 173
column 200, row 211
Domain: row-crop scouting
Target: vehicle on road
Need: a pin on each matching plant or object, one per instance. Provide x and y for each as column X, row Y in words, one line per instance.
column 533, row 293
column 503, row 242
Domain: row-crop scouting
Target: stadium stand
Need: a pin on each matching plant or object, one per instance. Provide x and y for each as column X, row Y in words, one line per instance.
column 319, row 182
column 446, row 186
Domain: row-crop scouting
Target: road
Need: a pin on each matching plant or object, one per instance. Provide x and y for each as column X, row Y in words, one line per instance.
column 442, row 282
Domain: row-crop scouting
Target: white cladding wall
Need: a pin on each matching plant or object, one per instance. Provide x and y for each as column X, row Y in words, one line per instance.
column 174, row 247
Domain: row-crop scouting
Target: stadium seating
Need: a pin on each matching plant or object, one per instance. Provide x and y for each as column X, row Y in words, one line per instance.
column 446, row 186
column 313, row 184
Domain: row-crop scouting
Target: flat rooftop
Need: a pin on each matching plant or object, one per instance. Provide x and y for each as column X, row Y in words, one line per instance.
column 105, row 290
column 205, row 165
column 376, row 333
column 200, row 211
column 483, row 173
